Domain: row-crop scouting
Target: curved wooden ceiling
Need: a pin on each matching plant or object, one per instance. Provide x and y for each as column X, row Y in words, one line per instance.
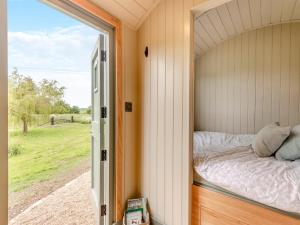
column 238, row 16
column 131, row 12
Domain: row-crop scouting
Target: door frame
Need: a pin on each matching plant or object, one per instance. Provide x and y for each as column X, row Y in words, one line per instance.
column 110, row 20
column 3, row 115
column 115, row 23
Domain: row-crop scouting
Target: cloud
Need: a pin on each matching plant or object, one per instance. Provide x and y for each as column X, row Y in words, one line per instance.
column 61, row 53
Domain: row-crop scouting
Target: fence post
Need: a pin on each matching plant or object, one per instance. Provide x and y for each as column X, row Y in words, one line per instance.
column 52, row 120
column 72, row 119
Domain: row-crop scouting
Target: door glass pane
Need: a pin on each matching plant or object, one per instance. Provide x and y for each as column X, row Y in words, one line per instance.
column 95, row 78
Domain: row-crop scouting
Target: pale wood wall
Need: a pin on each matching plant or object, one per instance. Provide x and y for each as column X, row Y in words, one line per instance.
column 249, row 81
column 130, row 188
column 165, row 99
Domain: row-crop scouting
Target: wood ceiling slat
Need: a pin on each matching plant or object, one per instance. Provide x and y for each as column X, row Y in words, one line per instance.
column 226, row 19
column 237, row 16
column 130, row 12
column 216, row 21
column 234, row 11
column 133, row 7
column 266, row 12
column 211, row 30
column 245, row 13
column 276, row 7
column 255, row 12
column 204, row 34
column 296, row 14
column 200, row 42
column 287, row 10
column 147, row 4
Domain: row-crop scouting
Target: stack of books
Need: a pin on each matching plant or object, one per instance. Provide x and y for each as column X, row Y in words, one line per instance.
column 136, row 213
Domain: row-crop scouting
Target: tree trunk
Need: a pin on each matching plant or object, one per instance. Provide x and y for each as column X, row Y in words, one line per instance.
column 25, row 127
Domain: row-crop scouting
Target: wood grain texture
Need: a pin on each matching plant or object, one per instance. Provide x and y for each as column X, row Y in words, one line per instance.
column 261, row 73
column 131, row 12
column 166, row 98
column 130, row 81
column 3, row 113
column 239, row 16
column 214, row 208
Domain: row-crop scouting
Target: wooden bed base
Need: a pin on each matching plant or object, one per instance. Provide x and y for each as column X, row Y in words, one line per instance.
column 214, row 208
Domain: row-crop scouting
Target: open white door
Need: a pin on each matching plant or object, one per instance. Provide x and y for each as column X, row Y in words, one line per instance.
column 102, row 127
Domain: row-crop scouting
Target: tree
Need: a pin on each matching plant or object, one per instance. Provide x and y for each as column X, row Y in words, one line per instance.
column 51, row 98
column 23, row 94
column 27, row 99
column 89, row 110
column 75, row 110
column 61, row 107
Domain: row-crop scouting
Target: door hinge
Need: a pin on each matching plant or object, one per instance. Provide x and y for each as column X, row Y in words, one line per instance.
column 103, row 155
column 103, row 56
column 103, row 112
column 103, row 210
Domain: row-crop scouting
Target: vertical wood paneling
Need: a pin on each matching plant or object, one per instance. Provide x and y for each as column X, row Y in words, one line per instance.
column 285, row 74
column 188, row 115
column 131, row 124
column 262, row 73
column 244, row 83
column 169, row 113
column 219, row 90
column 251, row 83
column 166, row 101
column 230, row 111
column 224, row 99
column 161, row 83
column 267, row 102
column 147, row 112
column 178, row 76
column 212, row 90
column 237, row 84
column 153, row 109
column 295, row 71
column 276, row 58
column 259, row 79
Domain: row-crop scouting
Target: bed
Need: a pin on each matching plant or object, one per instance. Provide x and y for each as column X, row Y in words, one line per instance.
column 226, row 165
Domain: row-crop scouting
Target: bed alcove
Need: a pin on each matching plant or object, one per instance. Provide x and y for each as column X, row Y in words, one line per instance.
column 247, row 75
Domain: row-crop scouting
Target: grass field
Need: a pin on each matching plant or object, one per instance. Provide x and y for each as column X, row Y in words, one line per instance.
column 45, row 151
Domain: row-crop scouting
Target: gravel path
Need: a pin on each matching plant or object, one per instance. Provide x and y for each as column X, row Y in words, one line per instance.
column 69, row 205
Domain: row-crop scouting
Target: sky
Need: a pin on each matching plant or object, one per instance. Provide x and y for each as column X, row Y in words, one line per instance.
column 45, row 43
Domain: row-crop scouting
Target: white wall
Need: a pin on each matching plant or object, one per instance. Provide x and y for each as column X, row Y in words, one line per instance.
column 165, row 99
column 3, row 113
column 249, row 81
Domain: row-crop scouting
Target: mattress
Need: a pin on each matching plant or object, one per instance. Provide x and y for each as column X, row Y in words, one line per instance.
column 228, row 162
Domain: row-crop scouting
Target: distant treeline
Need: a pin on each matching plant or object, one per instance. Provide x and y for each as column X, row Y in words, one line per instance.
column 29, row 100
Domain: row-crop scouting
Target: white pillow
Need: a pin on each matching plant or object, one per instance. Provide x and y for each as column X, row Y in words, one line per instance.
column 290, row 150
column 269, row 139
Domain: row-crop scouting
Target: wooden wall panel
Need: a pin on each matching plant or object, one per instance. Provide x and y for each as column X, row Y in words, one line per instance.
column 262, row 73
column 130, row 188
column 165, row 101
column 215, row 208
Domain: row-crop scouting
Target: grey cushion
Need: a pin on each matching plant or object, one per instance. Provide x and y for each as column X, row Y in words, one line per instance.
column 269, row 139
column 290, row 150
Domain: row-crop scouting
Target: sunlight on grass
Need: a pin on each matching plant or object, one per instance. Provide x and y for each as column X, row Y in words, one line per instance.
column 46, row 151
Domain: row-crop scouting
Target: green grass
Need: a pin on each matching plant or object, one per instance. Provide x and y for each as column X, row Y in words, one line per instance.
column 46, row 151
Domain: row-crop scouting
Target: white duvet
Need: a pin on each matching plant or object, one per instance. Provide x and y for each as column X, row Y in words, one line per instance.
column 229, row 162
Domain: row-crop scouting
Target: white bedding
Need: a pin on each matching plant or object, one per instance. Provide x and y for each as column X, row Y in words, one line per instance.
column 229, row 162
